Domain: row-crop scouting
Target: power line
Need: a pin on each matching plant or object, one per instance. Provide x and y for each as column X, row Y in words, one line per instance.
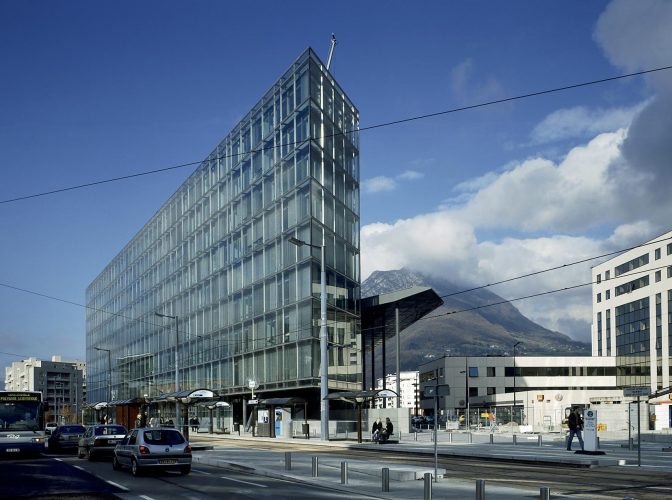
column 361, row 129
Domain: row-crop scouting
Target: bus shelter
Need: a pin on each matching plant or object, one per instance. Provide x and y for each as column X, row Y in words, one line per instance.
column 358, row 398
column 270, row 426
column 186, row 398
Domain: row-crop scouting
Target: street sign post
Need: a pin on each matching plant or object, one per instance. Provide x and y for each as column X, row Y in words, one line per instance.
column 638, row 392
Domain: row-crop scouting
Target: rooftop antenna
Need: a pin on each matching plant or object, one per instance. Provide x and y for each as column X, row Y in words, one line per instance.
column 331, row 50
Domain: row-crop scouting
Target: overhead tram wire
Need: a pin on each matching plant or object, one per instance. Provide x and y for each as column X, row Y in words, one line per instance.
column 555, row 268
column 360, row 129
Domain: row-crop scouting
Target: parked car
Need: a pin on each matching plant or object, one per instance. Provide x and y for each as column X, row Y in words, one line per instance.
column 150, row 448
column 99, row 440
column 50, row 427
column 65, row 437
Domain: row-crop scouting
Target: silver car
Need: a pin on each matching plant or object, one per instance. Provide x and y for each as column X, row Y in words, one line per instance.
column 149, row 448
column 100, row 440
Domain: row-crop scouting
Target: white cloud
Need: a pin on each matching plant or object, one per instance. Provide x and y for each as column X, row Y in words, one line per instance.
column 468, row 90
column 581, row 122
column 553, row 204
column 386, row 184
column 540, row 195
column 410, row 175
column 379, row 184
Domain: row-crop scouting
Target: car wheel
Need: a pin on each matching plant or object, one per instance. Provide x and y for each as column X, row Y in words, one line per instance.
column 135, row 468
column 185, row 469
column 115, row 463
column 80, row 453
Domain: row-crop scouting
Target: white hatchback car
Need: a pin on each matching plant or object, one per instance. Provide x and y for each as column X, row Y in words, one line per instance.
column 153, row 448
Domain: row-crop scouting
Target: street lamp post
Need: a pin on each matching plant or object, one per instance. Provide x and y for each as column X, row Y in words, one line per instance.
column 109, row 379
column 514, row 379
column 467, row 419
column 177, row 367
column 324, row 383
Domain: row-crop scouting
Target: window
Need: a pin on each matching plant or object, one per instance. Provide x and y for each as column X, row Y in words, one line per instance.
column 657, row 253
column 607, row 295
column 607, row 274
column 491, row 371
column 658, row 276
column 599, row 297
column 669, row 271
column 599, row 278
column 492, row 390
column 669, row 248
column 640, row 261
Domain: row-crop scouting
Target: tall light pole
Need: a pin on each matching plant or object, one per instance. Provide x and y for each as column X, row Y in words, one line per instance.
column 177, row 367
column 109, row 379
column 467, row 419
column 514, row 379
column 324, row 355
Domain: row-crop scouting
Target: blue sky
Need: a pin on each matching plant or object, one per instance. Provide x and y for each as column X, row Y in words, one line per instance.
column 93, row 90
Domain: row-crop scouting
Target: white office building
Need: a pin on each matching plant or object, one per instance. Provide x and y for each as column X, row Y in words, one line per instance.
column 632, row 297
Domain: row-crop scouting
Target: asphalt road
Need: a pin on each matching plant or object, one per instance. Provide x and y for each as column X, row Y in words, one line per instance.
column 66, row 476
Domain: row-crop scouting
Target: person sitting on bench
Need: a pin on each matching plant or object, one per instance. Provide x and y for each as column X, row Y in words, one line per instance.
column 388, row 430
column 376, row 430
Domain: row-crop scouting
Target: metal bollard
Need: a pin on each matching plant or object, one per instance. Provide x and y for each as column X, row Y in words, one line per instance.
column 515, row 439
column 288, row 460
column 416, row 434
column 480, row 489
column 316, row 466
column 450, row 438
column 471, row 438
column 630, row 443
column 344, row 472
column 492, row 439
column 539, row 443
column 545, row 493
column 386, row 479
column 428, row 486
column 598, row 442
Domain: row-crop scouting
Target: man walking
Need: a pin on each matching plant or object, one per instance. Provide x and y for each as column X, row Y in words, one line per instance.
column 575, row 423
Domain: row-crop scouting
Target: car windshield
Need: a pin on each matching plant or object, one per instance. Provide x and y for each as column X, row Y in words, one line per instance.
column 109, row 430
column 71, row 429
column 163, row 436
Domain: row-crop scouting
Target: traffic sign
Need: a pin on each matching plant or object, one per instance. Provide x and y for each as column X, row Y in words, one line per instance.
column 253, row 402
column 634, row 392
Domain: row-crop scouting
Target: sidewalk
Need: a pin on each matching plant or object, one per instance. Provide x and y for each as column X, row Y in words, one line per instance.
column 365, row 476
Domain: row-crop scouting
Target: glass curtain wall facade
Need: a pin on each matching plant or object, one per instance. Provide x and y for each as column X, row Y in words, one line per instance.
column 217, row 255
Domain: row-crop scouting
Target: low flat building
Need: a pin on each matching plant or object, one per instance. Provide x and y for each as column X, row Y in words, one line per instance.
column 534, row 395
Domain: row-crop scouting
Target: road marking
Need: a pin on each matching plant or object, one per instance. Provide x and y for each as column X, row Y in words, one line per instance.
column 202, row 472
column 146, row 497
column 78, row 467
column 245, row 482
column 117, row 485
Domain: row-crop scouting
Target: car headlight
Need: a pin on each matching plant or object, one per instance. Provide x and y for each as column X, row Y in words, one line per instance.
column 39, row 439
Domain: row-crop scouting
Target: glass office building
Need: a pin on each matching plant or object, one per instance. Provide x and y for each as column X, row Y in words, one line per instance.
column 216, row 255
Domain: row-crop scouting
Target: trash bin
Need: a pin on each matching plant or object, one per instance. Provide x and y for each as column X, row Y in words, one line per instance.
column 305, row 429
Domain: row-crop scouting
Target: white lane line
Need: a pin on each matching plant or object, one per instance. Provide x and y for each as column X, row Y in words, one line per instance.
column 244, row 482
column 117, row 485
column 78, row 467
column 146, row 497
column 201, row 472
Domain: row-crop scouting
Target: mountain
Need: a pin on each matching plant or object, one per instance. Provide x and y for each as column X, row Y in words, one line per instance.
column 478, row 331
